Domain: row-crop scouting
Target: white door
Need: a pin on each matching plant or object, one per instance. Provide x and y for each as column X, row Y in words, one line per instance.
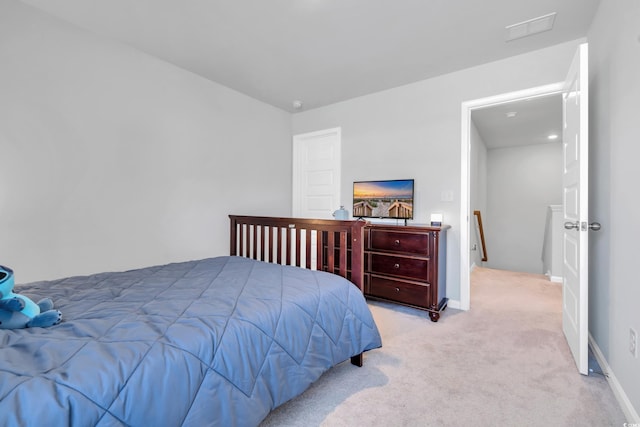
column 575, row 197
column 316, row 174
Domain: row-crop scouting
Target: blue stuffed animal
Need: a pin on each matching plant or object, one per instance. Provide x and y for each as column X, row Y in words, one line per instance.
column 17, row 311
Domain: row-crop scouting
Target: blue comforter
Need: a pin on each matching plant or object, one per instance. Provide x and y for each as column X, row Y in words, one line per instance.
column 219, row 341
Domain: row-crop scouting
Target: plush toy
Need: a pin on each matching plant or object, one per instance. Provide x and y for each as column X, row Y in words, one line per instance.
column 17, row 311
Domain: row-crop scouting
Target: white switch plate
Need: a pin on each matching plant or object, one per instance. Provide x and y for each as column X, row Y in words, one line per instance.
column 446, row 196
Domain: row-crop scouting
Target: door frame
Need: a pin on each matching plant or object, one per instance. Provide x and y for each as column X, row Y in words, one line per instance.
column 465, row 184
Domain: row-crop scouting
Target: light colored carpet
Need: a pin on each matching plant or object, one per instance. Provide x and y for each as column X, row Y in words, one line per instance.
column 504, row 362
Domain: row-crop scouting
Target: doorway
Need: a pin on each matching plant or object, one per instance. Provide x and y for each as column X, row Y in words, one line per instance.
column 466, row 188
column 516, row 175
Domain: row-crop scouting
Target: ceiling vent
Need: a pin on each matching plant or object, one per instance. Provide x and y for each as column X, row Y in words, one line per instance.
column 530, row 27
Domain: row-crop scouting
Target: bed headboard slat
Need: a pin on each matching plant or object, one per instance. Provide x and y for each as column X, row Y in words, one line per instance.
column 343, row 254
column 321, row 243
column 332, row 245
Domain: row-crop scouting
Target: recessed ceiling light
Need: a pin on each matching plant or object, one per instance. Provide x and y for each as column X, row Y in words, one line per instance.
column 552, row 136
column 530, row 27
column 512, row 114
column 296, row 105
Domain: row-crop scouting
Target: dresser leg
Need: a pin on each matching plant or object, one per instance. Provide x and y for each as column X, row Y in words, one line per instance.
column 434, row 316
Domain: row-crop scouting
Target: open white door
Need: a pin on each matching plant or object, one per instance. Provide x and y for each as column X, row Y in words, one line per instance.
column 576, row 209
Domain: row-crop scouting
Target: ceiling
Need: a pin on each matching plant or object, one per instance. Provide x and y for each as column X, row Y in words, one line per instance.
column 321, row 52
column 523, row 122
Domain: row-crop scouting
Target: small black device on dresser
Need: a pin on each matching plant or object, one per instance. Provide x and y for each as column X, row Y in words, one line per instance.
column 407, row 265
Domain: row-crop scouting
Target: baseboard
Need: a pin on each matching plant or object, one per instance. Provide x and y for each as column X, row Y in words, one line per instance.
column 454, row 304
column 555, row 279
column 629, row 411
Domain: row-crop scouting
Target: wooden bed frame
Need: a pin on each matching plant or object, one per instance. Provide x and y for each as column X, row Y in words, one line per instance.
column 319, row 244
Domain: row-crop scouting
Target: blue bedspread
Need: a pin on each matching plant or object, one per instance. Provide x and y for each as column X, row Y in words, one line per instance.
column 219, row 341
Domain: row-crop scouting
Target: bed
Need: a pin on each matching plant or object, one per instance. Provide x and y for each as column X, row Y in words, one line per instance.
column 219, row 341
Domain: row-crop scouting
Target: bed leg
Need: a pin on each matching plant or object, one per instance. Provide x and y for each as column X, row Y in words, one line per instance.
column 357, row 360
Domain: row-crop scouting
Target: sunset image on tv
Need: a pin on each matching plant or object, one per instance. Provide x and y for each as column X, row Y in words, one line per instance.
column 383, row 199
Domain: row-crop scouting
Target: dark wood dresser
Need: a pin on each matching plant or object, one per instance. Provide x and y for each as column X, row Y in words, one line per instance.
column 407, row 265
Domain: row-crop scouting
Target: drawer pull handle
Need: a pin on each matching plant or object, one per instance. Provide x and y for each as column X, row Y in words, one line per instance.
column 396, row 266
column 397, row 242
column 397, row 289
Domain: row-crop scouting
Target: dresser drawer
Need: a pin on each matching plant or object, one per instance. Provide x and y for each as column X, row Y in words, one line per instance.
column 413, row 243
column 411, row 268
column 397, row 290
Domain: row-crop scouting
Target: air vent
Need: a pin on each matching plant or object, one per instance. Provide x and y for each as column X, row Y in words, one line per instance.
column 530, row 27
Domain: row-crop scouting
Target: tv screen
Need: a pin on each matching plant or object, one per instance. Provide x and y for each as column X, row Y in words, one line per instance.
column 383, row 199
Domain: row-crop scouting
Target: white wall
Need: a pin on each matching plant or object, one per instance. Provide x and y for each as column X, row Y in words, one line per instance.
column 111, row 159
column 414, row 131
column 614, row 294
column 521, row 183
column 478, row 192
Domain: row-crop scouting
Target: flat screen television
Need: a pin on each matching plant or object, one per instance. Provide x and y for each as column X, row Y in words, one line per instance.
column 383, row 199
